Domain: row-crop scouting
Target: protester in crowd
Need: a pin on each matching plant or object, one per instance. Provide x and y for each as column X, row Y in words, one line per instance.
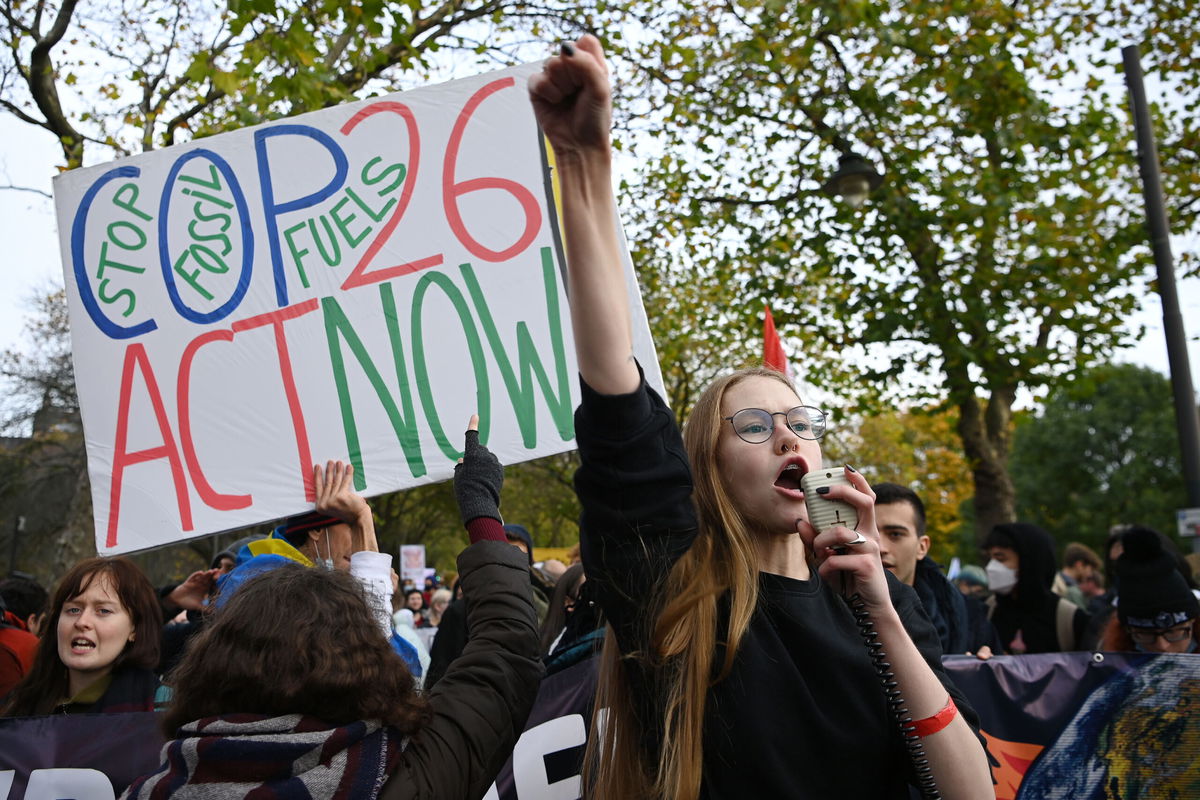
column 552, row 569
column 414, row 601
column 1103, row 608
column 17, row 649
column 574, row 626
column 22, row 604
column 1092, row 587
column 1028, row 615
column 541, row 584
column 322, row 708
column 961, row 623
column 224, row 562
column 100, row 646
column 972, row 581
column 338, row 534
column 1079, row 563
column 732, row 667
column 417, row 658
column 24, row 597
column 1158, row 612
column 437, row 606
column 562, row 603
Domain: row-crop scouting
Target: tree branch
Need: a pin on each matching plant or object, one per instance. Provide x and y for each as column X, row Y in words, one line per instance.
column 29, row 189
column 44, row 90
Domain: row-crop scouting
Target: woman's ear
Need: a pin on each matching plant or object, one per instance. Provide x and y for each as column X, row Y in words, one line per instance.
column 133, row 634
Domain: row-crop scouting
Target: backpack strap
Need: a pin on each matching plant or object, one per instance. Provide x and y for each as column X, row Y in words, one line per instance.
column 1064, row 624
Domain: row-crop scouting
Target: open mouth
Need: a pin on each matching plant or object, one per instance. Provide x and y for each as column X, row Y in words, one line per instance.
column 82, row 644
column 790, row 475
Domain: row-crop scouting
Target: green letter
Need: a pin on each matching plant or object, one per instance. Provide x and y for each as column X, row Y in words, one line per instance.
column 562, row 410
column 404, row 425
column 483, row 394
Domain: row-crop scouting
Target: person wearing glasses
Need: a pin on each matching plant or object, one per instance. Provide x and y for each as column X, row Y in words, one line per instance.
column 732, row 667
column 1158, row 612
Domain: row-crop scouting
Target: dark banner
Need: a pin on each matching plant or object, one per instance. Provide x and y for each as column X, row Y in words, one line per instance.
column 1079, row 726
column 1069, row 726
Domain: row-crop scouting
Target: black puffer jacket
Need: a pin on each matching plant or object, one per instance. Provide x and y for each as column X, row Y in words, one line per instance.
column 480, row 706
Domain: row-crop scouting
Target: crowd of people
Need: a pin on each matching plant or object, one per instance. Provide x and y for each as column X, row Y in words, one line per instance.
column 741, row 651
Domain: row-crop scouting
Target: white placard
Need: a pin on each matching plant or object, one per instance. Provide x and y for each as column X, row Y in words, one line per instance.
column 1188, row 520
column 412, row 564
column 348, row 284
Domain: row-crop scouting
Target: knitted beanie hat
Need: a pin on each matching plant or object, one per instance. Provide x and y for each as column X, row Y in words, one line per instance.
column 1153, row 592
column 520, row 532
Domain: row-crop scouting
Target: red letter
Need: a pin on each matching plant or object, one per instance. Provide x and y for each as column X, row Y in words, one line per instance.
column 212, row 498
column 135, row 356
column 276, row 319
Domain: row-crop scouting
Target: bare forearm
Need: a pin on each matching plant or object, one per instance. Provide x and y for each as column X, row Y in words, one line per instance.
column 958, row 762
column 598, row 294
column 362, row 530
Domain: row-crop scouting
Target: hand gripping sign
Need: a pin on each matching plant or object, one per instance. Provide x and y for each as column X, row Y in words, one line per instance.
column 352, row 283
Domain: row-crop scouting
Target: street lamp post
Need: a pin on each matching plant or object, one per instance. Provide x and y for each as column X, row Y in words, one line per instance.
column 854, row 180
column 1160, row 243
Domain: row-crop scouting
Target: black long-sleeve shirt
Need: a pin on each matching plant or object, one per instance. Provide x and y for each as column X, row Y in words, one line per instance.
column 802, row 713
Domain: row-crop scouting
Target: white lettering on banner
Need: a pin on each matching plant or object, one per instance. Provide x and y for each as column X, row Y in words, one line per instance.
column 529, row 758
column 76, row 784
column 6, row 782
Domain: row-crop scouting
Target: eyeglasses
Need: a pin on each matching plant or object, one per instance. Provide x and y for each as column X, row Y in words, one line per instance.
column 754, row 425
column 1150, row 635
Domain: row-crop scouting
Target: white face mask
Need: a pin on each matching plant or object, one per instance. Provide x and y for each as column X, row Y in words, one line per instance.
column 1001, row 579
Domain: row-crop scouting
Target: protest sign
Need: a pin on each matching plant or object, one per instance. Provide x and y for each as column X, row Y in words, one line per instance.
column 352, row 283
column 412, row 563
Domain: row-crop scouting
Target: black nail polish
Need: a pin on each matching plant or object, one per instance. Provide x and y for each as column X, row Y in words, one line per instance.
column 852, row 469
column 567, row 49
column 822, row 490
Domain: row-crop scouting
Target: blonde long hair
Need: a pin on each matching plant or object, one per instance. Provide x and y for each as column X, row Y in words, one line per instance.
column 682, row 654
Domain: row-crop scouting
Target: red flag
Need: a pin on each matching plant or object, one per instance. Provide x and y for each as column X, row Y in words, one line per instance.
column 773, row 355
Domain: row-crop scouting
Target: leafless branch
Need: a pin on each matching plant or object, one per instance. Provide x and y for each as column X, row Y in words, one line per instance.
column 29, row 189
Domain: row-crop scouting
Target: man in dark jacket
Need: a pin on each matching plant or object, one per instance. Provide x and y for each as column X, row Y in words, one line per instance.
column 961, row 622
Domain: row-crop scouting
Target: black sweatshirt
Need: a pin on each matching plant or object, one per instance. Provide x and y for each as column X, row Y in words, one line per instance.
column 802, row 714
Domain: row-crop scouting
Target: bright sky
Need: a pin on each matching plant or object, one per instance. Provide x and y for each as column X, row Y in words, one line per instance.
column 29, row 157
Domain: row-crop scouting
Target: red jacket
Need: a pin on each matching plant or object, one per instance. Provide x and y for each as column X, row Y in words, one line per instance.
column 17, row 648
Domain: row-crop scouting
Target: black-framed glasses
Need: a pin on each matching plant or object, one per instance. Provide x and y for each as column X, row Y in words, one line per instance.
column 754, row 425
column 1150, row 635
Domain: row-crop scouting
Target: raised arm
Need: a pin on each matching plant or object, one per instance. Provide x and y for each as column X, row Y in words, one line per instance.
column 572, row 99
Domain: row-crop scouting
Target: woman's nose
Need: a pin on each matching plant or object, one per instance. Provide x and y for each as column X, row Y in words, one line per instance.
column 788, row 440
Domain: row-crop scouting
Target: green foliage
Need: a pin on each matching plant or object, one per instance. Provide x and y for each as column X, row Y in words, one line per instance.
column 1104, row 451
column 1005, row 248
column 127, row 76
column 919, row 449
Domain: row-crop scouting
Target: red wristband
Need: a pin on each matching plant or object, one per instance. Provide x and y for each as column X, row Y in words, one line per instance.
column 931, row 725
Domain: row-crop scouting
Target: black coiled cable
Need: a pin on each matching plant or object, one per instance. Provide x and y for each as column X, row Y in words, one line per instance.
column 891, row 690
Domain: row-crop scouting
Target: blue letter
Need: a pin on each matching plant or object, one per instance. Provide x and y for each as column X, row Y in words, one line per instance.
column 273, row 210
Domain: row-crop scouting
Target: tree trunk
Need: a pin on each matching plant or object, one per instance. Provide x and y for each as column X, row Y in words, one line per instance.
column 986, row 431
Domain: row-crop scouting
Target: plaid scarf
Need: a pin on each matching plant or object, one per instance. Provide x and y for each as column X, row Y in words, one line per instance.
column 273, row 758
